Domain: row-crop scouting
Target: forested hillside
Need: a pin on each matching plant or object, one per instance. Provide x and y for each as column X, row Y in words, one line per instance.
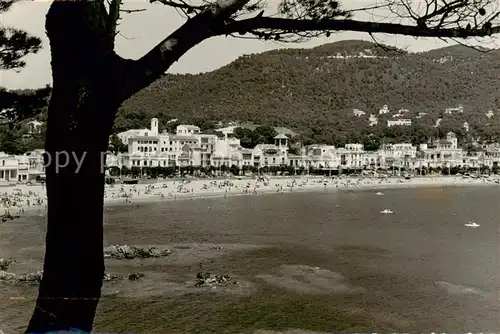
column 314, row 91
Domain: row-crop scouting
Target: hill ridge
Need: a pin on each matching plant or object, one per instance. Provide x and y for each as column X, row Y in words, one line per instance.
column 314, row 92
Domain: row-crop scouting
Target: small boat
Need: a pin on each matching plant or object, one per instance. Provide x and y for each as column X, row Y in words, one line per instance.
column 379, row 193
column 387, row 211
column 472, row 224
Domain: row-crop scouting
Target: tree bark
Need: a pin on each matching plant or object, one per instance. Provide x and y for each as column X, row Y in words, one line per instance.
column 81, row 112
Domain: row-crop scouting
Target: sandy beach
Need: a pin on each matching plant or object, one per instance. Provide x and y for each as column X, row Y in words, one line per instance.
column 21, row 199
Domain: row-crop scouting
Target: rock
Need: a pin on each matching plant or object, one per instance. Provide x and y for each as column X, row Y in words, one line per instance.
column 131, row 252
column 5, row 263
column 35, row 278
column 7, row 216
column 156, row 252
column 6, row 276
column 135, row 276
column 111, row 277
column 212, row 281
column 31, row 278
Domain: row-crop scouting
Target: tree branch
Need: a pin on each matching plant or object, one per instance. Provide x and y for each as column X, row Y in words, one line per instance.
column 210, row 22
column 293, row 26
column 130, row 11
column 113, row 17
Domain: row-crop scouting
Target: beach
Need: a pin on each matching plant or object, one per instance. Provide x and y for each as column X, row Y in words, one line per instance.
column 21, row 199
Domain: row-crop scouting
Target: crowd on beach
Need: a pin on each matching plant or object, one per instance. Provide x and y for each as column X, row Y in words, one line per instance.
column 16, row 200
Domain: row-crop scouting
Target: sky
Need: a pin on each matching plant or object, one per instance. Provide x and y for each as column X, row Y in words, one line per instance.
column 141, row 31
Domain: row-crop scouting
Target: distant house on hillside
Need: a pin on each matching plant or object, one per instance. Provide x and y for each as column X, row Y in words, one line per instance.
column 490, row 114
column 384, row 110
column 400, row 122
column 466, row 126
column 459, row 109
column 358, row 113
column 373, row 120
column 34, row 126
column 228, row 130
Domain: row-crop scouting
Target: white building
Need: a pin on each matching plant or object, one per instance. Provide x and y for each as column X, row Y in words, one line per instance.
column 9, row 167
column 126, row 135
column 384, row 110
column 184, row 130
column 373, row 120
column 398, row 155
column 358, row 113
column 187, row 147
column 228, row 130
column 30, row 165
column 459, row 109
column 34, row 126
column 322, row 157
column 272, row 155
column 399, row 122
column 351, row 156
column 445, row 153
column 466, row 126
column 490, row 114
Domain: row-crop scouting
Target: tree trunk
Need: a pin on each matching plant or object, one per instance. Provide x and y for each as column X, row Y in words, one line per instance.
column 80, row 117
column 89, row 83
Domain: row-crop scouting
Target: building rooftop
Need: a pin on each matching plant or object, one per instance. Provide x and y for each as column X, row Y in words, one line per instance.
column 144, row 138
column 190, row 127
column 183, row 137
column 281, row 136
